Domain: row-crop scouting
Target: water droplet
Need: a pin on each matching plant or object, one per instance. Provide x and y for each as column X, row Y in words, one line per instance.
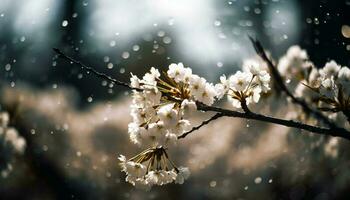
column 161, row 33
column 257, row 180
column 45, row 148
column 167, row 40
column 348, row 47
column 212, row 183
column 217, row 23
column 89, row 99
column 110, row 65
column 308, row 20
column 171, row 22
column 54, row 86
column 22, row 39
column 246, row 188
column 345, row 30
column 125, row 55
column 106, row 59
column 316, row 21
column 112, row 43
column 219, row 64
column 8, row 67
column 270, row 180
column 64, row 23
column 136, row 47
column 75, row 15
column 85, row 3
column 122, row 70
column 78, row 153
column 257, row 11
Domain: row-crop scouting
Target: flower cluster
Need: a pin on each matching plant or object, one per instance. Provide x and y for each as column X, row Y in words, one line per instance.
column 160, row 109
column 294, row 64
column 152, row 167
column 244, row 86
column 332, row 87
column 10, row 143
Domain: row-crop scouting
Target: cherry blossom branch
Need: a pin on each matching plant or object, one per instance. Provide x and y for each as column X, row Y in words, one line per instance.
column 281, row 85
column 247, row 114
column 214, row 117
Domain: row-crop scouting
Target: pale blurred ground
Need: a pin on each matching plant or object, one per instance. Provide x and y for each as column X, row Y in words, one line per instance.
column 230, row 158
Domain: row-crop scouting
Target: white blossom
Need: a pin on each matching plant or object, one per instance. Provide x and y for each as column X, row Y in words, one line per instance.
column 294, row 63
column 168, row 115
column 134, row 81
column 11, row 143
column 328, row 88
column 182, row 175
column 177, row 72
column 188, row 107
column 159, row 171
column 222, row 87
column 330, row 69
column 240, row 80
column 344, row 80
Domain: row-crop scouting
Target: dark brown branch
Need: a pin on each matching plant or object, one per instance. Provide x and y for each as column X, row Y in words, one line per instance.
column 216, row 116
column 336, row 132
column 92, row 70
column 280, row 83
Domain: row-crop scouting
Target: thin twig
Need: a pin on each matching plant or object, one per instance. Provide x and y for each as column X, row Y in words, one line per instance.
column 280, row 83
column 214, row 117
column 92, row 70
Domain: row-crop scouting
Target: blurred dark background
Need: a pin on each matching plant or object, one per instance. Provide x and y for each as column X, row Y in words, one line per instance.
column 119, row 37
